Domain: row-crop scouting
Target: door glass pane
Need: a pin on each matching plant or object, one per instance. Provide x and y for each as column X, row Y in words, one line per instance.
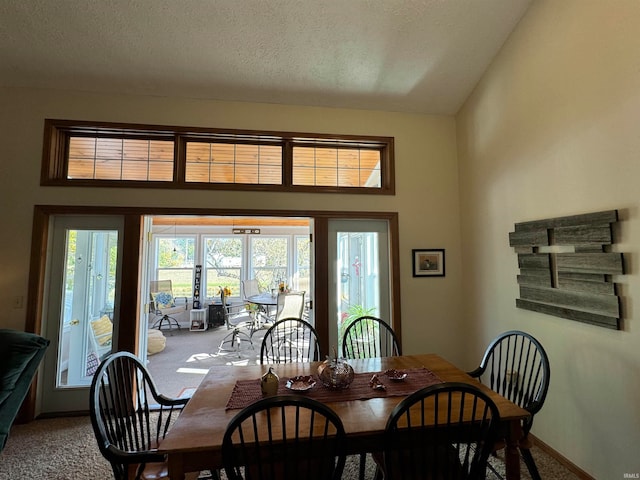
column 301, row 278
column 86, row 333
column 359, row 279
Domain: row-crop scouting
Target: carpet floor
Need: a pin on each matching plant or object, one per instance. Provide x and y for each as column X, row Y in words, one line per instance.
column 65, row 449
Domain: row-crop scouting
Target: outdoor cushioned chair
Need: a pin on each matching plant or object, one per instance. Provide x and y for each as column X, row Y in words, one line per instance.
column 20, row 356
column 164, row 304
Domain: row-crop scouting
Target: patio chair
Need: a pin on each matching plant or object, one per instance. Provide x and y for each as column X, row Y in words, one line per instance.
column 290, row 305
column 163, row 304
column 241, row 324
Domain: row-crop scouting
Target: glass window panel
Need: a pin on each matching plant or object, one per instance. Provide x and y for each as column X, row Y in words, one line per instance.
column 176, row 262
column 223, row 153
column 136, row 150
column 303, row 157
column 197, row 172
column 109, row 169
column 349, row 159
column 348, row 177
column 135, row 170
column 246, row 174
column 222, row 173
column 271, row 174
column 247, row 154
column 269, row 261
column 80, row 168
column 223, row 264
column 326, row 157
column 271, row 155
column 326, row 176
column 109, row 148
column 304, row 176
column 161, row 171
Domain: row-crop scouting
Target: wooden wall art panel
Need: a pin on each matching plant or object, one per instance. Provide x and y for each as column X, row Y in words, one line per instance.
column 566, row 267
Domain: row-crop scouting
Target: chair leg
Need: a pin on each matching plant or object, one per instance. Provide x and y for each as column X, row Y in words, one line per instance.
column 531, row 464
column 170, row 321
column 363, row 462
column 235, row 338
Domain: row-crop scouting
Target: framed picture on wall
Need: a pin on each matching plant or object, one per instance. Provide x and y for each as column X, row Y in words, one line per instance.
column 428, row 262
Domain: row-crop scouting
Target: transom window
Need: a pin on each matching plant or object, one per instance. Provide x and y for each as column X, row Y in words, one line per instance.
column 89, row 154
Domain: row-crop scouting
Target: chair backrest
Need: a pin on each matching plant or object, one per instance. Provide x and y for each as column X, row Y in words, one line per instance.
column 121, row 397
column 312, row 447
column 250, row 287
column 290, row 340
column 444, row 431
column 290, row 305
column 369, row 337
column 517, row 367
column 161, row 293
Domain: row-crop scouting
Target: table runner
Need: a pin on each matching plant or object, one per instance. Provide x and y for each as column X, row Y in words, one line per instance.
column 246, row 392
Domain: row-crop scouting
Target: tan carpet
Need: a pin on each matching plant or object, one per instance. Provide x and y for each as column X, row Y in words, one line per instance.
column 65, row 449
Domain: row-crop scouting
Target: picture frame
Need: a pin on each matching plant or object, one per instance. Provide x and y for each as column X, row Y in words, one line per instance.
column 428, row 262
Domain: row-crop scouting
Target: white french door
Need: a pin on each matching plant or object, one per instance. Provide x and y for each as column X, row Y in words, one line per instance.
column 82, row 285
column 359, row 273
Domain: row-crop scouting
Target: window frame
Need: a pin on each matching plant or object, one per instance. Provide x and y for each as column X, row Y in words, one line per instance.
column 58, row 132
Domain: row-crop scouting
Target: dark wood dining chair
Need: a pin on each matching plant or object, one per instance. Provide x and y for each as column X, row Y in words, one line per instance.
column 370, row 337
column 516, row 366
column 130, row 418
column 301, row 439
column 444, row 431
column 290, row 340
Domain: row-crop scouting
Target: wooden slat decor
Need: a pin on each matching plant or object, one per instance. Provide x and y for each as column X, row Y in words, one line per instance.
column 588, row 302
column 582, row 235
column 529, row 238
column 536, row 280
column 533, row 261
column 573, row 285
column 607, row 263
column 607, row 288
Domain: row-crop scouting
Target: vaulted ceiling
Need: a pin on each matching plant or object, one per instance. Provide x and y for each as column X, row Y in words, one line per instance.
column 421, row 56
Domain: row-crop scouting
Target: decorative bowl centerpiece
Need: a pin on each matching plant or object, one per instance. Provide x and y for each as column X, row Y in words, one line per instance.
column 335, row 373
column 301, row 383
column 395, row 375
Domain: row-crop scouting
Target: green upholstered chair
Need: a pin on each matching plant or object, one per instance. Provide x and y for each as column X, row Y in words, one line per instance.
column 20, row 356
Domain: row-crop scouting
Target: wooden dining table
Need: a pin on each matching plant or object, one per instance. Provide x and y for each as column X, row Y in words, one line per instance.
column 194, row 442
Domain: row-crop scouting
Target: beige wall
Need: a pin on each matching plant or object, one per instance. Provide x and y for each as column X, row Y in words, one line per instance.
column 553, row 130
column 426, row 182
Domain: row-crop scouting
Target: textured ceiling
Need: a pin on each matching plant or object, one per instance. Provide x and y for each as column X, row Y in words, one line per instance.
column 395, row 55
